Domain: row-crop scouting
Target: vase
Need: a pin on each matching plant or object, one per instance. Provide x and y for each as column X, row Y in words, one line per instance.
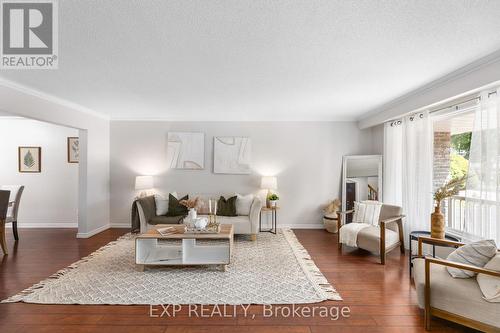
column 192, row 214
column 272, row 203
column 437, row 223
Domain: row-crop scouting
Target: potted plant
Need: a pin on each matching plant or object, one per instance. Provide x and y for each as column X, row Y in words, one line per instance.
column 449, row 189
column 273, row 199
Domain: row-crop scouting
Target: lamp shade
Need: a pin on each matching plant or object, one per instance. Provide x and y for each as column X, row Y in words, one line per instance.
column 143, row 182
column 269, row 183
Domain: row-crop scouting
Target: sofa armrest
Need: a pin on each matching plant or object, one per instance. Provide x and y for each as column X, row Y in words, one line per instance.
column 255, row 214
column 142, row 218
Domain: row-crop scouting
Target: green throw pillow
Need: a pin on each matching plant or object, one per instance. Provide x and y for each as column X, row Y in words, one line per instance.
column 226, row 207
column 174, row 207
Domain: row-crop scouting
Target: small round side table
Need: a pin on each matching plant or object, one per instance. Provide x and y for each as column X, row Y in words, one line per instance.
column 414, row 237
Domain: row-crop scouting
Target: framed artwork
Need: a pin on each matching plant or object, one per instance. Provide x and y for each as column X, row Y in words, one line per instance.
column 186, row 150
column 30, row 159
column 232, row 154
column 73, row 149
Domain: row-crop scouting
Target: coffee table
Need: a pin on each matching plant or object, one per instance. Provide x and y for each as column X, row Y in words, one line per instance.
column 216, row 249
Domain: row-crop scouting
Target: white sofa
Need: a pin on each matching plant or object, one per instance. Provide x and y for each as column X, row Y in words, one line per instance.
column 243, row 224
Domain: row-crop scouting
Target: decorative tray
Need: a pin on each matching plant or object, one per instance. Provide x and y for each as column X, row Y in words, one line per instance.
column 207, row 230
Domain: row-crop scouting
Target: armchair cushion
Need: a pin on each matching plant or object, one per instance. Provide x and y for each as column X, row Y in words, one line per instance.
column 458, row 296
column 369, row 239
column 476, row 254
column 490, row 285
column 367, row 212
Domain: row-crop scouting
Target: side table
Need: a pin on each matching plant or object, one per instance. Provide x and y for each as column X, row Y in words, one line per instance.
column 274, row 219
column 414, row 237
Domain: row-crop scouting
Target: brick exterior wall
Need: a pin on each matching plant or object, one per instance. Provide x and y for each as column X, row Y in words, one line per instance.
column 442, row 147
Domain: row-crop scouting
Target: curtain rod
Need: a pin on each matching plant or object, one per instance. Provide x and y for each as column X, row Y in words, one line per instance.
column 478, row 98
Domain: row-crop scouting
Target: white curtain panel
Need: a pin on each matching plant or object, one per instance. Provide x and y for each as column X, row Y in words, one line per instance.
column 393, row 163
column 408, row 169
column 417, row 171
column 482, row 203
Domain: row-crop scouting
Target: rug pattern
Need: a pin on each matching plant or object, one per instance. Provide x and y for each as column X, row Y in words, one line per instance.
column 275, row 269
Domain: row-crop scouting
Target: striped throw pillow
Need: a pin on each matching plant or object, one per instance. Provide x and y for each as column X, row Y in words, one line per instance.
column 367, row 212
column 476, row 254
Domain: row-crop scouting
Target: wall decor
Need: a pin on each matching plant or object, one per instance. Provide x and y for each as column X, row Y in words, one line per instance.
column 232, row 154
column 73, row 149
column 30, row 159
column 186, row 150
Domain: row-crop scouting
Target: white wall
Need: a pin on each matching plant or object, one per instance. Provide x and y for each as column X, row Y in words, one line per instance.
column 305, row 156
column 50, row 198
column 93, row 198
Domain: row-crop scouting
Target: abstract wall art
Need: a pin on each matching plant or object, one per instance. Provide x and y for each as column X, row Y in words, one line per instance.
column 232, row 154
column 186, row 150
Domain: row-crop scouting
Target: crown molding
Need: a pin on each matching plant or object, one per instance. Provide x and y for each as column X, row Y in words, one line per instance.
column 50, row 98
column 438, row 91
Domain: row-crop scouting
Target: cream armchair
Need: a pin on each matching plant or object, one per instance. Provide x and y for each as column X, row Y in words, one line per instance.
column 380, row 239
column 454, row 299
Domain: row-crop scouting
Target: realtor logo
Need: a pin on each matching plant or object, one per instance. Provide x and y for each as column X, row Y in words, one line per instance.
column 29, row 34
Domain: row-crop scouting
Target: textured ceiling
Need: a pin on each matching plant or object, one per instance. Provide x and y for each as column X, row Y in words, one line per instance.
column 258, row 59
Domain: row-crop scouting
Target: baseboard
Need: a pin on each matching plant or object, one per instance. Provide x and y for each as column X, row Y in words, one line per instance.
column 302, row 226
column 120, row 225
column 44, row 225
column 92, row 232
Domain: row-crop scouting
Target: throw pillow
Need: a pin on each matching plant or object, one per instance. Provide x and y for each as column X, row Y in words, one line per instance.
column 490, row 285
column 174, row 207
column 476, row 254
column 162, row 204
column 367, row 212
column 243, row 204
column 226, row 207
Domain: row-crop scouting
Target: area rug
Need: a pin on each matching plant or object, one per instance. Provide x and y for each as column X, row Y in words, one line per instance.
column 274, row 269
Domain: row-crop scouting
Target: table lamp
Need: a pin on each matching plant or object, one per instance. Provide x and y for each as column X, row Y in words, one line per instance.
column 268, row 183
column 143, row 183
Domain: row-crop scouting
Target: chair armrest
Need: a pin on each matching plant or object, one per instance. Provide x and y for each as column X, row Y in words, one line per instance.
column 340, row 218
column 392, row 219
column 435, row 241
column 346, row 212
column 453, row 264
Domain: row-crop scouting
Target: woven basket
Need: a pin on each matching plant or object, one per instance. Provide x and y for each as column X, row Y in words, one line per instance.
column 331, row 223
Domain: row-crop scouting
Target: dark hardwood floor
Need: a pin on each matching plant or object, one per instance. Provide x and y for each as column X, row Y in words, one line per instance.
column 380, row 298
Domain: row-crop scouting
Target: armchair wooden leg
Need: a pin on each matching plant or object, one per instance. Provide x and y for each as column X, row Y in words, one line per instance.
column 253, row 237
column 3, row 243
column 402, row 247
column 382, row 244
column 14, row 230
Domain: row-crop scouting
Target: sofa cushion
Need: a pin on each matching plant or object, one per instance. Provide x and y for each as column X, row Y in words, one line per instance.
column 243, row 204
column 162, row 203
column 369, row 239
column 476, row 254
column 174, row 206
column 166, row 219
column 458, row 296
column 226, row 207
column 490, row 285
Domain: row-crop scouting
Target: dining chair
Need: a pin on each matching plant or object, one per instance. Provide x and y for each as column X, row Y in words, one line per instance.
column 16, row 192
column 4, row 206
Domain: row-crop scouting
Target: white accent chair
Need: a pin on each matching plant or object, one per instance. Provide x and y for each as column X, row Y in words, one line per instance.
column 16, row 192
column 380, row 239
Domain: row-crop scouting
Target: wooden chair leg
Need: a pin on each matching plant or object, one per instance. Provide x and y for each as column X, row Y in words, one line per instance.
column 253, row 237
column 382, row 244
column 14, row 230
column 3, row 243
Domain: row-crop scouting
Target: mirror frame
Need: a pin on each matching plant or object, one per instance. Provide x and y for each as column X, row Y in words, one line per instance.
column 344, row 175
